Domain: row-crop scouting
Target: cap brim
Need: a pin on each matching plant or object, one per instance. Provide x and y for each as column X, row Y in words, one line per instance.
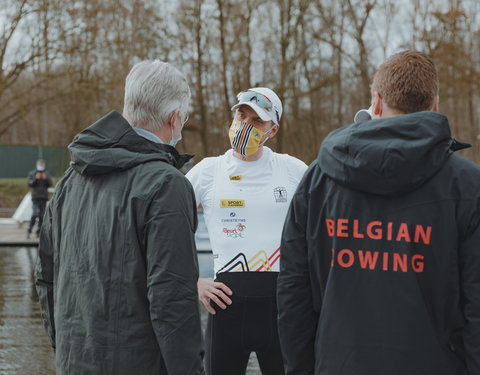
column 263, row 114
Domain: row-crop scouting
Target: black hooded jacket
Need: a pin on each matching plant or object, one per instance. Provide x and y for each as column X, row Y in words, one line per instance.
column 117, row 271
column 39, row 187
column 380, row 255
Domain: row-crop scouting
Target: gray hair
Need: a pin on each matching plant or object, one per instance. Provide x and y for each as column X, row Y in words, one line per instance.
column 153, row 91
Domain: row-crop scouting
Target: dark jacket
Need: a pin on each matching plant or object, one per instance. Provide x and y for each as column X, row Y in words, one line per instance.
column 380, row 255
column 39, row 187
column 117, row 271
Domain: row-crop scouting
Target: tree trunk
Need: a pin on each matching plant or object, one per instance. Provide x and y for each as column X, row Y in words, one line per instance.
column 199, row 72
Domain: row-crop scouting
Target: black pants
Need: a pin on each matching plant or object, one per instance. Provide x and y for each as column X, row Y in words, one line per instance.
column 248, row 325
column 38, row 212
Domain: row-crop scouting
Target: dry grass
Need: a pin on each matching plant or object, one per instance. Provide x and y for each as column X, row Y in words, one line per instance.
column 12, row 191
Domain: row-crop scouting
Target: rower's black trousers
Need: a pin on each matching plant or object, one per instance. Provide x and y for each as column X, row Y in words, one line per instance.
column 248, row 325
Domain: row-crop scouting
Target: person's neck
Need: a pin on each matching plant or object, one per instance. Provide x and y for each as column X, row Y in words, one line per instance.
column 253, row 157
column 390, row 112
column 163, row 133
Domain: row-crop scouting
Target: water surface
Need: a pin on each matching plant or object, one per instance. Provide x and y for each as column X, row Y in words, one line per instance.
column 24, row 345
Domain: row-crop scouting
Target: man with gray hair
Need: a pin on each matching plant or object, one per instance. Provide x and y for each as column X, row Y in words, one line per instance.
column 117, row 271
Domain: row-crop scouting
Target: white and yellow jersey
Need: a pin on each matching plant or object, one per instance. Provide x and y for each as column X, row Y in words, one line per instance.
column 245, row 204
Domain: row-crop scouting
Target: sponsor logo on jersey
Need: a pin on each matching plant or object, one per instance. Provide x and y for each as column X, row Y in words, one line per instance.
column 232, row 214
column 260, row 262
column 232, row 203
column 236, row 178
column 233, row 220
column 280, row 194
column 236, row 232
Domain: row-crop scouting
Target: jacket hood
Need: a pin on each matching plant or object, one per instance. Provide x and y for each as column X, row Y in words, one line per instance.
column 111, row 145
column 388, row 156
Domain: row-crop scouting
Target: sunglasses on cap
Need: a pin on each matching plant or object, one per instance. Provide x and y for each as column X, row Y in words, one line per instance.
column 259, row 99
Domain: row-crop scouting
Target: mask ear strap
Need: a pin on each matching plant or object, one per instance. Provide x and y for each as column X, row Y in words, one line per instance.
column 267, row 138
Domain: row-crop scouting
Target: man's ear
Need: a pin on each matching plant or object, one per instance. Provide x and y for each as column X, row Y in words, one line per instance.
column 377, row 104
column 273, row 131
column 435, row 104
column 172, row 118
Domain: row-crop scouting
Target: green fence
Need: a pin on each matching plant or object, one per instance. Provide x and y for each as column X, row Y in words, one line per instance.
column 17, row 161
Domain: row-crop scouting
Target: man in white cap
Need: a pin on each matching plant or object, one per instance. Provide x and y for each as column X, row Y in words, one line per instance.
column 245, row 194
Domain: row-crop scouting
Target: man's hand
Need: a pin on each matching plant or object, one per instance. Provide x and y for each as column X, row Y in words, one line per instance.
column 217, row 292
column 40, row 175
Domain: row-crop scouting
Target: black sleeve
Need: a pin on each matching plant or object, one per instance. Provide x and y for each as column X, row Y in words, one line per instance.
column 470, row 284
column 172, row 274
column 48, row 180
column 297, row 319
column 44, row 275
column 32, row 180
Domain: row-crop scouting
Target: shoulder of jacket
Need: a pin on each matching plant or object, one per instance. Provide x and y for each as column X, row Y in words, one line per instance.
column 313, row 176
column 171, row 180
column 155, row 174
column 464, row 173
column 463, row 164
column 156, row 166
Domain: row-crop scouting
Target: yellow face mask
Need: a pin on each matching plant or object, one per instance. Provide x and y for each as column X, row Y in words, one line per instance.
column 244, row 138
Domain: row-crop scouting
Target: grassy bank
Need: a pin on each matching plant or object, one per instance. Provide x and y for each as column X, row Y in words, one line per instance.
column 12, row 191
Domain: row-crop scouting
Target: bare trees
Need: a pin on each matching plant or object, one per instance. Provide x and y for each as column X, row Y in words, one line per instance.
column 21, row 53
column 68, row 61
column 359, row 14
column 318, row 55
column 451, row 38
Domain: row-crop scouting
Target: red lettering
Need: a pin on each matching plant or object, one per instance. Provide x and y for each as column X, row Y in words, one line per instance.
column 420, row 232
column 385, row 261
column 351, row 258
column 367, row 258
column 403, row 233
column 355, row 230
column 417, row 266
column 228, row 231
column 330, row 227
column 399, row 260
column 389, row 231
column 342, row 228
column 374, row 233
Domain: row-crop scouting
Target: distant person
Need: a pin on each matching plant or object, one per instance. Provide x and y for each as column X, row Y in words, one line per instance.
column 39, row 181
column 245, row 195
column 117, row 271
column 380, row 254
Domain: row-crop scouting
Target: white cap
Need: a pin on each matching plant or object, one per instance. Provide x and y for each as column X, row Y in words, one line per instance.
column 275, row 114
